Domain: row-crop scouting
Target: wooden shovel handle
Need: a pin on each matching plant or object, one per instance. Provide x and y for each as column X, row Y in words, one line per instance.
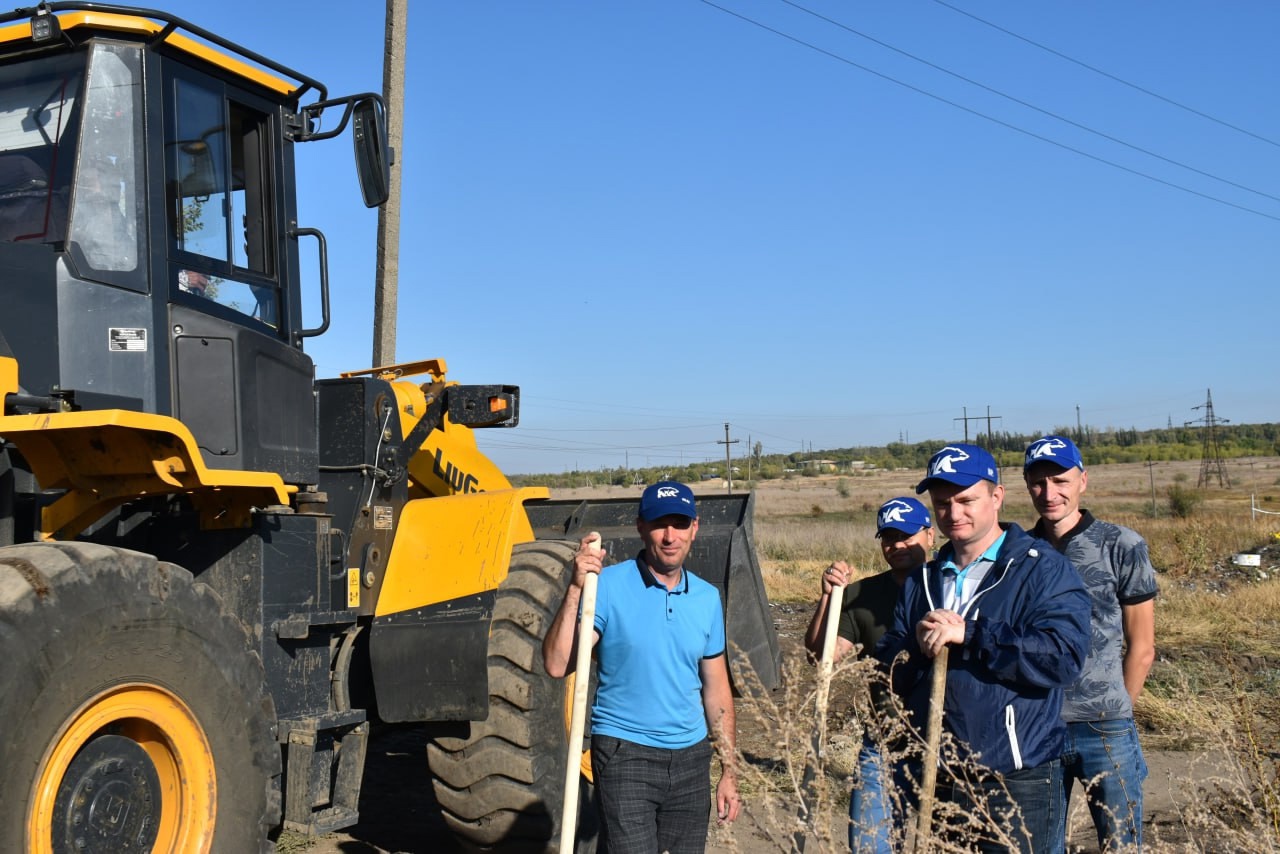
column 933, row 743
column 578, row 719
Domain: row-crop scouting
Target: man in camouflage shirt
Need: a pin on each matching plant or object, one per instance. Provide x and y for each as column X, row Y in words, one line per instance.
column 1102, row 748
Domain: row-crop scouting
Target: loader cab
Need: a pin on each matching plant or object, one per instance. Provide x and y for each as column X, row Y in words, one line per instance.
column 229, row 276
column 148, row 229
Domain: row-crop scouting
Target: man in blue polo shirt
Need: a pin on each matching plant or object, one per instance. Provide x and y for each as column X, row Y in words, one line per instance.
column 1014, row 616
column 662, row 685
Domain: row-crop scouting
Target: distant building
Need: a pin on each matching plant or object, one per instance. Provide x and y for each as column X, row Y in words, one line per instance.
column 818, row 465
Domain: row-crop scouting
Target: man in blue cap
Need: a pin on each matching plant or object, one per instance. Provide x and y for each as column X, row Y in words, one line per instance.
column 1014, row 616
column 662, row 684
column 906, row 541
column 1102, row 750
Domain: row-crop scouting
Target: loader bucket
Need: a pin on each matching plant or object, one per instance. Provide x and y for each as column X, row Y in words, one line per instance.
column 723, row 554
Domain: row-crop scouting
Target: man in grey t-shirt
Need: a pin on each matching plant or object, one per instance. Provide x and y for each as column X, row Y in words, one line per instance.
column 1102, row 743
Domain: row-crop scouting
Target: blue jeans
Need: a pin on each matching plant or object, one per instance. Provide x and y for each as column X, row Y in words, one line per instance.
column 1034, row 794
column 1106, row 758
column 875, row 812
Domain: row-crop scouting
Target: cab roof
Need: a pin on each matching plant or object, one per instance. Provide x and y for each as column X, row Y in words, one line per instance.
column 154, row 27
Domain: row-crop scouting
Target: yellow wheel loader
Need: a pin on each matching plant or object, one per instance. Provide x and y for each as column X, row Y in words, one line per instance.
column 216, row 572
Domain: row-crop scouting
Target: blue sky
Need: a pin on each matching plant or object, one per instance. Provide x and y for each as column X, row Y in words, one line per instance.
column 659, row 217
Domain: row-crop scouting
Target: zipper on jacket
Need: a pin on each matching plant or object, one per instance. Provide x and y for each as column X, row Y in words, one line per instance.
column 924, row 582
column 980, row 593
column 1012, row 730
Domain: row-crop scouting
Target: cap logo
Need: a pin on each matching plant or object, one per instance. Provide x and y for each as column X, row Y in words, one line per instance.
column 668, row 492
column 944, row 463
column 893, row 512
column 1045, row 448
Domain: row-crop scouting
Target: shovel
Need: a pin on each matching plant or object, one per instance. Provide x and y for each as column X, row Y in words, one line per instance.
column 577, row 721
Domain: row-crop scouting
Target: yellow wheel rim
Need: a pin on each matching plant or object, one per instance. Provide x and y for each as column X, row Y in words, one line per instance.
column 165, row 728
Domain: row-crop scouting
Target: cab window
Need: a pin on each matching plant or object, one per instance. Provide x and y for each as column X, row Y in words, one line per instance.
column 219, row 196
column 106, row 240
column 39, row 105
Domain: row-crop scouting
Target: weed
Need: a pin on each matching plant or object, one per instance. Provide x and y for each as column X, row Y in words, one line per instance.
column 1183, row 502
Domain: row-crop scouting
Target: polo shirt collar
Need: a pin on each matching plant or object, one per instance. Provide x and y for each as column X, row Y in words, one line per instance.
column 1086, row 519
column 992, row 552
column 650, row 580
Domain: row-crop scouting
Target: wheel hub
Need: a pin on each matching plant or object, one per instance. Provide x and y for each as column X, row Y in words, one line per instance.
column 108, row 801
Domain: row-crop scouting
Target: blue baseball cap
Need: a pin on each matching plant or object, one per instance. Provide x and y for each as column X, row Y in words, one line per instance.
column 902, row 514
column 963, row 465
column 667, row 498
column 1059, row 450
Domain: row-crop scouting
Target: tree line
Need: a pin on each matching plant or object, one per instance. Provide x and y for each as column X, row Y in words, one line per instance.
column 1098, row 446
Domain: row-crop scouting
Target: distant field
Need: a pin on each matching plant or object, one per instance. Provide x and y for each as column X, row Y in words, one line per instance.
column 803, row 523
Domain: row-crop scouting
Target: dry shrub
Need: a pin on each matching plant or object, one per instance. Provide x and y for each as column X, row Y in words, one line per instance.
column 797, row 790
column 800, row 792
column 1216, row 688
column 1236, row 804
column 787, row 791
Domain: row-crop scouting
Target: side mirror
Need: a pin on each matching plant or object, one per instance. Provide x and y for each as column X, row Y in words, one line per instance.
column 373, row 157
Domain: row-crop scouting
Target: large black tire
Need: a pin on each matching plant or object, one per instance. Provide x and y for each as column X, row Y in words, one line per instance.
column 135, row 709
column 502, row 788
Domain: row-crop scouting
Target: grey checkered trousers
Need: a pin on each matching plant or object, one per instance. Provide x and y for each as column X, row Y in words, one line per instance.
column 652, row 799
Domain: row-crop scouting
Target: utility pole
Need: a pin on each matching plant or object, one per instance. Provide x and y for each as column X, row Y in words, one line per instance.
column 1151, row 472
column 386, row 293
column 728, row 467
column 1079, row 429
column 965, row 419
column 1210, row 456
column 990, row 442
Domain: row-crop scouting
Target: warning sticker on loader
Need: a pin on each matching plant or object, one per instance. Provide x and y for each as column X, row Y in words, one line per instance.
column 121, row 339
column 353, row 587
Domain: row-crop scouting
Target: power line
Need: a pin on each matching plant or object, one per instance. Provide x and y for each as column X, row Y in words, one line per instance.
column 989, row 118
column 1109, row 75
column 966, row 418
column 1211, row 463
column 1031, row 106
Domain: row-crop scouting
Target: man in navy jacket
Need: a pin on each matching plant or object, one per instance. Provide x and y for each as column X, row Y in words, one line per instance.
column 1014, row 615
